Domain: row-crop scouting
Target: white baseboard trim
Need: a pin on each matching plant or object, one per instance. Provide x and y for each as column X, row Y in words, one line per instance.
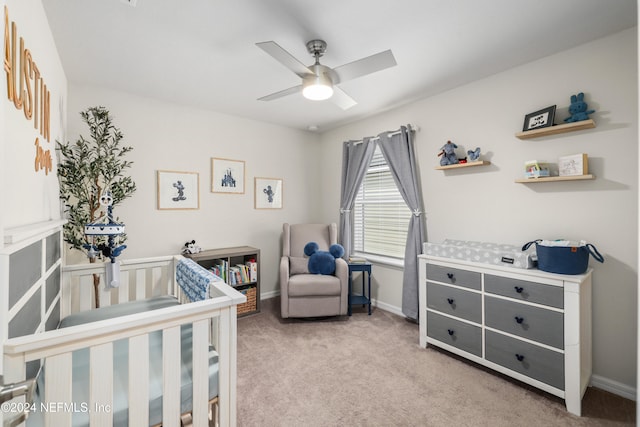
column 388, row 307
column 269, row 295
column 614, row 387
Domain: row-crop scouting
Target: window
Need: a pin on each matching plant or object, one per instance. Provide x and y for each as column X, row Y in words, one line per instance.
column 381, row 217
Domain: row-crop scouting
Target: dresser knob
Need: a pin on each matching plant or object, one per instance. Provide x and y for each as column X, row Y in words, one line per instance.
column 520, row 357
column 450, row 275
column 451, row 331
column 519, row 319
column 518, row 289
column 450, row 300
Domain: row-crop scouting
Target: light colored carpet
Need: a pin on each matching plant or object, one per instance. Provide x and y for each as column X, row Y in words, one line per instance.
column 370, row 371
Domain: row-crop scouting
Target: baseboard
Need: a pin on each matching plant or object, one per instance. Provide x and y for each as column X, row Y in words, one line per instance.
column 269, row 295
column 614, row 387
column 388, row 307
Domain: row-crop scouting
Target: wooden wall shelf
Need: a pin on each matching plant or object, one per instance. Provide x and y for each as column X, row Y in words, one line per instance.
column 554, row 130
column 464, row 165
column 554, row 178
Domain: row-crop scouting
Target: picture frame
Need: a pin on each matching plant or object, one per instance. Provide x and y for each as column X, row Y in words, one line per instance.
column 574, row 165
column 178, row 190
column 268, row 193
column 539, row 119
column 227, row 176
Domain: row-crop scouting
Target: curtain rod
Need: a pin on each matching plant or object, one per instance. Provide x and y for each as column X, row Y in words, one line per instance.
column 389, row 133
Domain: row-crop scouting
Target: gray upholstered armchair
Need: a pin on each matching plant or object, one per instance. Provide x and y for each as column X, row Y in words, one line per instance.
column 310, row 295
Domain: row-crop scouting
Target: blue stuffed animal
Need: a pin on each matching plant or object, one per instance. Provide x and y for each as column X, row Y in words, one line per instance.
column 322, row 262
column 448, row 154
column 578, row 109
column 474, row 154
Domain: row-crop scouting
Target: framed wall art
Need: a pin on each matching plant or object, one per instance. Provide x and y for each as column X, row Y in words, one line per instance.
column 539, row 119
column 268, row 193
column 178, row 190
column 227, row 176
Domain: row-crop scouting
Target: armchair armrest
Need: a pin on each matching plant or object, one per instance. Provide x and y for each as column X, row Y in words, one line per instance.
column 284, row 285
column 342, row 273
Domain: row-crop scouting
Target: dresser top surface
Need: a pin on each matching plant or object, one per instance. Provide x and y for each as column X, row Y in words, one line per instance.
column 488, row 268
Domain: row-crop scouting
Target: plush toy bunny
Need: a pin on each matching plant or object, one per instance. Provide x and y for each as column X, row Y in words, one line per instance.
column 578, row 109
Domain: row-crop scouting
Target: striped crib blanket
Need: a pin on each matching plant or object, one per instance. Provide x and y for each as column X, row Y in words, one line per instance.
column 194, row 280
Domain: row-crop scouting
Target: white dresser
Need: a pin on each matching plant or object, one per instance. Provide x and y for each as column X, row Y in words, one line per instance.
column 528, row 324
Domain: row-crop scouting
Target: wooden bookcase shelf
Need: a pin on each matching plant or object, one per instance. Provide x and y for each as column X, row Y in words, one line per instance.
column 227, row 261
column 554, row 130
column 464, row 165
column 554, row 179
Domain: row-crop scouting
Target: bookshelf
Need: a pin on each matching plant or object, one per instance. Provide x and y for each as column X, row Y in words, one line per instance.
column 239, row 267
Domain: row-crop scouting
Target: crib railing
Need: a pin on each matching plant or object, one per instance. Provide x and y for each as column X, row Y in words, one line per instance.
column 139, row 279
column 213, row 317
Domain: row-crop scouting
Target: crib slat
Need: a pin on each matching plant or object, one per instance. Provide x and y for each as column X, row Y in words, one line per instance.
column 141, row 284
column 58, row 374
column 156, row 282
column 86, row 292
column 224, row 359
column 200, row 372
column 138, row 380
column 101, row 383
column 123, row 289
column 171, row 377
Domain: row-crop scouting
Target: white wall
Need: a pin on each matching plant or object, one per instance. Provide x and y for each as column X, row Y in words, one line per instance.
column 29, row 196
column 485, row 204
column 172, row 137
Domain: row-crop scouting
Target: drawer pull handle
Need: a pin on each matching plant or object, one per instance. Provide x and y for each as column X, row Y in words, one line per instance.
column 450, row 275
column 519, row 319
column 451, row 332
column 520, row 357
column 450, row 300
column 518, row 289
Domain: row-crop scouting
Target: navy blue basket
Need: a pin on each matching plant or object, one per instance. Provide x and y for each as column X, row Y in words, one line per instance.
column 564, row 259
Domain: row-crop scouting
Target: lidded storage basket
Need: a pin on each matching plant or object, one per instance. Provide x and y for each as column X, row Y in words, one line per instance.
column 564, row 256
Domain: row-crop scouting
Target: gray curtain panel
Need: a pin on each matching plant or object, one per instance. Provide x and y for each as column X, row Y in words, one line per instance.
column 400, row 155
column 356, row 157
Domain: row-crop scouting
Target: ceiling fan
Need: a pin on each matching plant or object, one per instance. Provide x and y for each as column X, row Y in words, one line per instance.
column 319, row 81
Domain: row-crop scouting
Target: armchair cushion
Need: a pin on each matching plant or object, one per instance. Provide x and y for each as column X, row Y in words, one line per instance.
column 305, row 285
column 298, row 265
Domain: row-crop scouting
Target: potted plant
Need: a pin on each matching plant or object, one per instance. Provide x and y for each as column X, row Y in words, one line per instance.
column 86, row 169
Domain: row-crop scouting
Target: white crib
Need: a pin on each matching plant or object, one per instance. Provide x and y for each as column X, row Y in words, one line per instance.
column 213, row 323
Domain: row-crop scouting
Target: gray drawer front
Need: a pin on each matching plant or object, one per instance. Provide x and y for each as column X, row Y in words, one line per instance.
column 456, row 302
column 538, row 324
column 454, row 276
column 463, row 335
column 539, row 293
column 537, row 362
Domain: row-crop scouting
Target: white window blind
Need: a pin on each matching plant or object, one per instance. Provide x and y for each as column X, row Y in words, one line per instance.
column 381, row 217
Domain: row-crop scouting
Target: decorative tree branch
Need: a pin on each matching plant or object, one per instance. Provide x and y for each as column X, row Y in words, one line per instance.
column 86, row 168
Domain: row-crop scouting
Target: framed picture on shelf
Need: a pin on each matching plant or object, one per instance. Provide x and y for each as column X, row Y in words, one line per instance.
column 268, row 193
column 539, row 119
column 227, row 176
column 178, row 190
column 577, row 164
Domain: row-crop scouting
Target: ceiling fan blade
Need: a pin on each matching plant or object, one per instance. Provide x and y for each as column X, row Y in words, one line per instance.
column 284, row 57
column 281, row 93
column 341, row 99
column 364, row 66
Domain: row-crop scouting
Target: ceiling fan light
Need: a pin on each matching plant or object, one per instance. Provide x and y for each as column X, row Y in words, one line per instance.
column 317, row 92
column 318, row 86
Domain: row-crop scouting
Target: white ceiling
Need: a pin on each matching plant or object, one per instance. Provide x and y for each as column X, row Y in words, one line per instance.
column 202, row 53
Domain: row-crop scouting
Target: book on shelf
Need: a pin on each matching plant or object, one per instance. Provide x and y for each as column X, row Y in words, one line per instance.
column 357, row 260
column 252, row 268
